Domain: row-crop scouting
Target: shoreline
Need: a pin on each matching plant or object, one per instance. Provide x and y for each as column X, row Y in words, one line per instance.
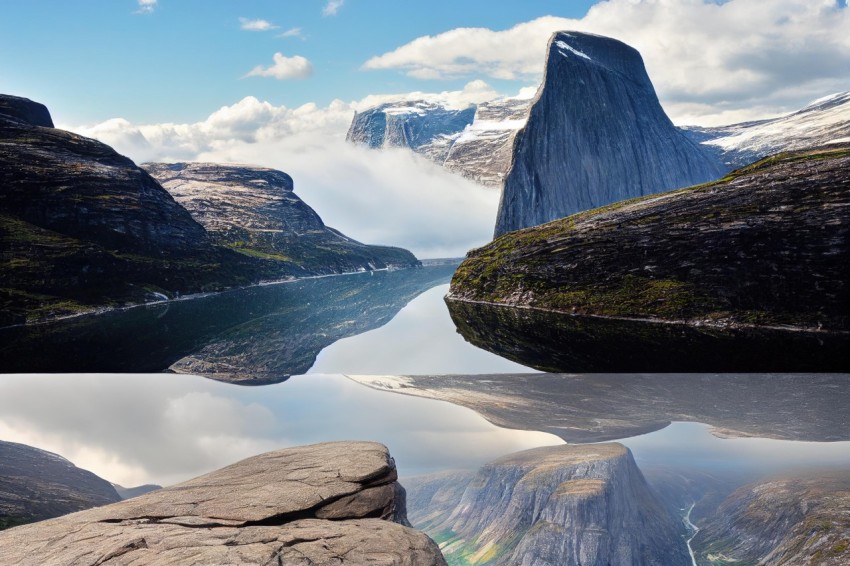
column 192, row 296
column 687, row 323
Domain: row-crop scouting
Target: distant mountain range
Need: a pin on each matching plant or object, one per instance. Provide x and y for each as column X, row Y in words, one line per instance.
column 477, row 142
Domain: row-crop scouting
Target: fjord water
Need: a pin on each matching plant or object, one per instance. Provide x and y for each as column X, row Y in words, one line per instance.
column 377, row 357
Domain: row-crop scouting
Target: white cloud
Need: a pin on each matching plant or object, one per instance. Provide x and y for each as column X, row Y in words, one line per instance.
column 256, row 25
column 710, row 62
column 146, row 6
column 332, row 7
column 292, row 32
column 378, row 197
column 474, row 92
column 284, row 68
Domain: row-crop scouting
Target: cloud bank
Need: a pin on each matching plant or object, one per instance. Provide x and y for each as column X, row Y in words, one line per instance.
column 711, row 62
column 391, row 197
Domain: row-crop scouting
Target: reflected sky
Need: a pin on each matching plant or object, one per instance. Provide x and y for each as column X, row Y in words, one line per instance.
column 692, row 445
column 165, row 428
column 421, row 339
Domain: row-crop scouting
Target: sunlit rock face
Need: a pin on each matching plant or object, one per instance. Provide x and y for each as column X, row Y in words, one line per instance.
column 596, row 134
column 255, row 211
column 822, row 122
column 37, row 485
column 566, row 505
column 792, row 520
column 474, row 142
column 418, row 125
column 320, row 504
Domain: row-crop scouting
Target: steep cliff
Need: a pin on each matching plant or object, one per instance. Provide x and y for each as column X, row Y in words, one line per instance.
column 764, row 249
column 565, row 505
column 82, row 227
column 596, row 134
column 255, row 211
column 799, row 520
column 36, row 485
column 321, row 504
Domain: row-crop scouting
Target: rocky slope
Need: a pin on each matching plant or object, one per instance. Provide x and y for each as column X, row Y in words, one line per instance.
column 599, row 407
column 565, row 505
column 763, row 250
column 596, row 134
column 255, row 211
column 800, row 520
column 37, row 485
column 824, row 121
column 482, row 152
column 82, row 227
column 322, row 504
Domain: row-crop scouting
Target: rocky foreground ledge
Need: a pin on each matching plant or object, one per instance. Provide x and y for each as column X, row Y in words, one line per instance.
column 329, row 503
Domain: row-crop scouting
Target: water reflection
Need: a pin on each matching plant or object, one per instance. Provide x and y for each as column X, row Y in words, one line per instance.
column 421, row 338
column 250, row 336
column 563, row 343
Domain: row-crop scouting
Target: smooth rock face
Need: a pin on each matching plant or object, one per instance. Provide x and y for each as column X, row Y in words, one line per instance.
column 824, row 121
column 254, row 211
column 37, row 485
column 596, row 134
column 798, row 520
column 565, row 505
column 318, row 504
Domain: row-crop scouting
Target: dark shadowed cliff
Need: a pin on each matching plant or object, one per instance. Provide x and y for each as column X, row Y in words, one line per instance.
column 36, row 485
column 596, row 134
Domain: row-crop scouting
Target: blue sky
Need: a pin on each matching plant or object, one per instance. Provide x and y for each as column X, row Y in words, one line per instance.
column 96, row 59
column 170, row 82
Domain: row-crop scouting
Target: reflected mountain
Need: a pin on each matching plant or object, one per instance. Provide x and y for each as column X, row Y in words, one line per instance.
column 601, row 407
column 251, row 336
column 560, row 343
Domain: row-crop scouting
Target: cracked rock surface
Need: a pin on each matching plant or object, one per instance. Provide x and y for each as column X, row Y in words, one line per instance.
column 328, row 503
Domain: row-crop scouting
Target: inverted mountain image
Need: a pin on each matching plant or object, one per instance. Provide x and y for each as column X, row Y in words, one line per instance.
column 566, row 505
column 255, row 211
column 596, row 134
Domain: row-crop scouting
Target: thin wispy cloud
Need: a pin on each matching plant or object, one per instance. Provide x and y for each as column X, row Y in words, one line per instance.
column 256, row 25
column 284, row 68
column 146, row 6
column 292, row 32
column 332, row 7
